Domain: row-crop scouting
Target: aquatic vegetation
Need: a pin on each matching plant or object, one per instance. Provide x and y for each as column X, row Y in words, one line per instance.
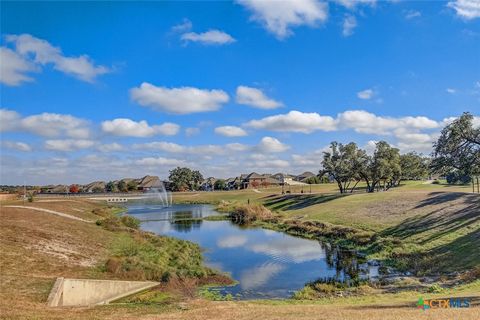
column 249, row 213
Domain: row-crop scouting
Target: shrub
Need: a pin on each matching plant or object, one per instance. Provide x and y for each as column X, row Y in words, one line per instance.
column 435, row 288
column 249, row 213
column 115, row 223
column 455, row 177
column 306, row 293
column 130, row 222
column 215, row 295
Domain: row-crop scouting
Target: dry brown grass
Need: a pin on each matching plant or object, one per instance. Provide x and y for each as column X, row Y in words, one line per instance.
column 247, row 310
column 37, row 247
column 250, row 212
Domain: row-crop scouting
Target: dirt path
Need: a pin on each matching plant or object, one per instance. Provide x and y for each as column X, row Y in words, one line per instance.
column 52, row 212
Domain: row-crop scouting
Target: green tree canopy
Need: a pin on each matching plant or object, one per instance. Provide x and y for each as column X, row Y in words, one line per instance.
column 182, row 179
column 122, row 186
column 458, row 147
column 220, row 184
column 111, row 187
column 384, row 167
column 344, row 163
column 414, row 166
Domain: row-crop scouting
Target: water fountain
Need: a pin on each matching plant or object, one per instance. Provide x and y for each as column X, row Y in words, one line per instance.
column 160, row 193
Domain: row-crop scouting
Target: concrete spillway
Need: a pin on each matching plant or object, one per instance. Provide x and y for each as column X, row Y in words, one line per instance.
column 86, row 292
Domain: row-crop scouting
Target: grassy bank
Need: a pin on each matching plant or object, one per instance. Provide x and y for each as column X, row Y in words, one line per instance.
column 424, row 228
column 37, row 247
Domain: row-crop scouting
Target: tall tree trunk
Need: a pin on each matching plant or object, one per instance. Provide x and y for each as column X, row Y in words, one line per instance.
column 339, row 185
column 353, row 188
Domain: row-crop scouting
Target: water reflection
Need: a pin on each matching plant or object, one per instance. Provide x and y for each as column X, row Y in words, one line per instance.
column 258, row 276
column 290, row 249
column 184, row 221
column 232, row 241
column 267, row 264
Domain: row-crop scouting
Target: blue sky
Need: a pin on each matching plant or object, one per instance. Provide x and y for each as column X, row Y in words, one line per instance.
column 104, row 90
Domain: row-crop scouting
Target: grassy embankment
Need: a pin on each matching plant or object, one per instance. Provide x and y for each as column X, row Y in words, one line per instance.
column 423, row 228
column 37, row 247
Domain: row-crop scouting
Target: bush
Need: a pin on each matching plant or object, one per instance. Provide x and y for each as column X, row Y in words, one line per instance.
column 455, row 177
column 123, row 223
column 435, row 288
column 249, row 213
column 331, row 288
column 130, row 222
column 436, row 181
column 215, row 295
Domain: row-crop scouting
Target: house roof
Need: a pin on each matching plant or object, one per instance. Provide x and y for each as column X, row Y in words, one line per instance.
column 282, row 175
column 306, row 174
column 255, row 175
column 150, row 182
column 271, row 180
column 93, row 185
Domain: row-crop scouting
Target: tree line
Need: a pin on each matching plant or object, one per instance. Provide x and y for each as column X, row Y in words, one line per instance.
column 456, row 155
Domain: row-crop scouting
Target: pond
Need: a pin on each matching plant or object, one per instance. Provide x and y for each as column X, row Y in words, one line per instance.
column 266, row 264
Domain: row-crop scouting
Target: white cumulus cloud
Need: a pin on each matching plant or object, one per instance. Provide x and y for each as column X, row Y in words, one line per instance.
column 210, row 37
column 349, row 25
column 365, row 122
column 182, row 100
column 45, row 124
column 81, row 67
column 110, row 147
column 279, row 17
column 129, row 128
column 466, row 9
column 351, row 4
column 230, row 131
column 182, row 27
column 269, row 144
column 365, row 94
column 411, row 14
column 14, row 68
column 295, row 121
column 160, row 161
column 68, row 144
column 256, row 98
column 14, row 145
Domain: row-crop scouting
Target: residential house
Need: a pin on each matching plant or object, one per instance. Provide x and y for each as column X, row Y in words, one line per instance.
column 304, row 176
column 255, row 180
column 148, row 183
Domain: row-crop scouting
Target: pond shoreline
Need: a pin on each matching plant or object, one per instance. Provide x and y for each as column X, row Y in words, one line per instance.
column 277, row 255
column 363, row 243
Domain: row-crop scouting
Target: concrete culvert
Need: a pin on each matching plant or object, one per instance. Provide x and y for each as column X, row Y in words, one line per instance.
column 87, row 292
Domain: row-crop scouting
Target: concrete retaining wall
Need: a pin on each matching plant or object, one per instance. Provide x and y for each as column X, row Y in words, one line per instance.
column 85, row 292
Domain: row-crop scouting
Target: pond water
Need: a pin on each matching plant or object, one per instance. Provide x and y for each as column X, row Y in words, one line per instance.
column 266, row 264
